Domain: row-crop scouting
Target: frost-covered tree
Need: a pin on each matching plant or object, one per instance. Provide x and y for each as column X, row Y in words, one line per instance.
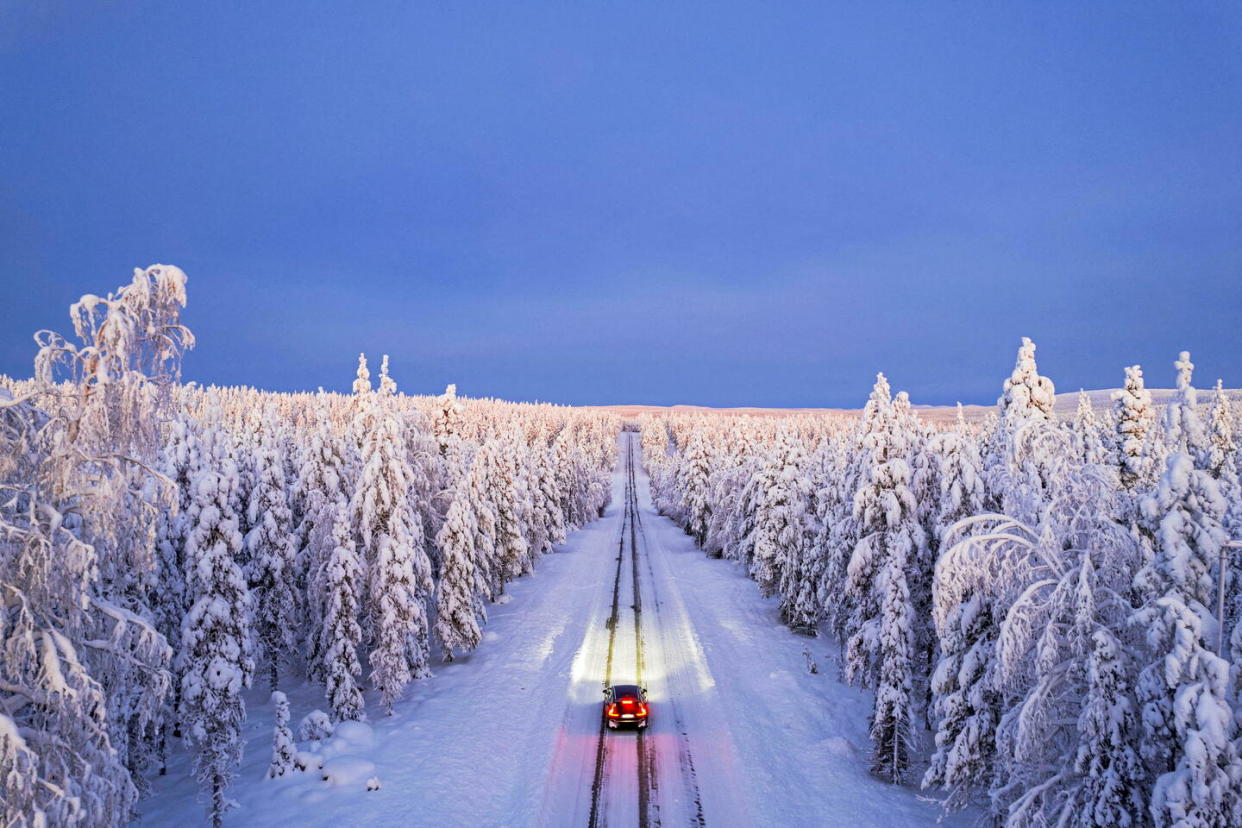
column 546, row 514
column 446, row 419
column 273, row 574
column 1134, row 418
column 457, row 612
column 1188, row 724
column 340, row 635
column 322, row 488
column 693, row 481
column 776, row 537
column 1087, row 431
column 966, row 705
column 392, row 544
column 84, row 673
column 509, row 498
column 1183, row 427
column 879, row 652
column 1113, row 791
column 283, row 749
column 215, row 661
column 1026, row 394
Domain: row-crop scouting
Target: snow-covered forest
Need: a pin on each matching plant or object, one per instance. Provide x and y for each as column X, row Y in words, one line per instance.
column 165, row 546
column 1038, row 605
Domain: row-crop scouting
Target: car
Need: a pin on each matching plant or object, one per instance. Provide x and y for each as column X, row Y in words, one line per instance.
column 626, row 704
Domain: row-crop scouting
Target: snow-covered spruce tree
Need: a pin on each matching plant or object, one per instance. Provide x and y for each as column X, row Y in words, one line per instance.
column 215, row 661
column 391, row 534
column 547, row 515
column 879, row 652
column 1087, row 432
column 1024, row 444
column 446, row 419
column 1188, row 723
column 1134, row 418
column 180, row 462
column 1113, row 788
column 961, row 476
column 839, row 531
column 508, row 495
column 273, row 575
column 693, row 481
column 776, row 536
column 322, row 488
column 83, row 675
column 1222, row 460
column 478, row 499
column 340, row 634
column 965, row 705
column 457, row 617
column 283, row 749
column 1183, row 427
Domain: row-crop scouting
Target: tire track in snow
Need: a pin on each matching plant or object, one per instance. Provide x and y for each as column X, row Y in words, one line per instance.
column 685, row 754
column 601, row 745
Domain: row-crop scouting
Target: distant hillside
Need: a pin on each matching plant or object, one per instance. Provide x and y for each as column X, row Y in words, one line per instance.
column 1067, row 403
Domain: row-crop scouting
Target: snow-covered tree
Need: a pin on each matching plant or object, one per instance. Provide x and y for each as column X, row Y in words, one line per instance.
column 283, row 749
column 1087, row 431
column 215, row 661
column 1113, row 791
column 1134, row 419
column 392, row 543
column 446, row 419
column 273, row 575
column 340, row 635
column 1188, row 724
column 693, row 481
column 879, row 652
column 84, row 673
column 457, row 613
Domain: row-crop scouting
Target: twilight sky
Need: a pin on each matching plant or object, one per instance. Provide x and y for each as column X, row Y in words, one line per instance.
column 713, row 203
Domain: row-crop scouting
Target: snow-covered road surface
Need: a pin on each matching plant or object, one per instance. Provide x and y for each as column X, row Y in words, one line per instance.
column 741, row 733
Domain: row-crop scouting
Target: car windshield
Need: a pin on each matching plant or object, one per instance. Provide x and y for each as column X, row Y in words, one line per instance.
column 626, row 691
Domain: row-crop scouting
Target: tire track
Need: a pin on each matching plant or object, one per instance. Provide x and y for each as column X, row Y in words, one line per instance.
column 599, row 780
column 648, row 806
column 684, row 753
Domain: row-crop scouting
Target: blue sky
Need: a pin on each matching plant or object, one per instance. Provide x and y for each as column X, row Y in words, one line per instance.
column 714, row 203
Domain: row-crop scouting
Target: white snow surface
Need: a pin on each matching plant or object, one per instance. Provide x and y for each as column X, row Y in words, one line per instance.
column 507, row 735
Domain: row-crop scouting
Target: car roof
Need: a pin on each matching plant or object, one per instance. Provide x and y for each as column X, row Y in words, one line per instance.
column 626, row 690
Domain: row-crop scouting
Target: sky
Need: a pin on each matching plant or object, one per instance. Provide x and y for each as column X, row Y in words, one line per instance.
column 710, row 203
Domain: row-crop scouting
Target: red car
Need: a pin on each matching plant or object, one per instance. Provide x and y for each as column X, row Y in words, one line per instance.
column 626, row 704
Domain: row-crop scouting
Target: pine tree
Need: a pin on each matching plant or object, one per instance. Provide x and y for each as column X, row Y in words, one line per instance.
column 1114, row 783
column 215, row 660
column 283, row 749
column 340, row 634
column 693, row 481
column 880, row 648
column 392, row 542
column 457, row 624
column 273, row 566
column 1134, row 418
column 1087, row 431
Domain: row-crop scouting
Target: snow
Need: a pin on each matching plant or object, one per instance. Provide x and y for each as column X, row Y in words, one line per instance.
column 506, row 735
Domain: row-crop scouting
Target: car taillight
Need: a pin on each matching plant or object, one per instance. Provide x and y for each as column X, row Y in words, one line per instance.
column 612, row 711
column 642, row 710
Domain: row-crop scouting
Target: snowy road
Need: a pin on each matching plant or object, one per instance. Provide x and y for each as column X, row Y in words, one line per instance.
column 511, row 735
